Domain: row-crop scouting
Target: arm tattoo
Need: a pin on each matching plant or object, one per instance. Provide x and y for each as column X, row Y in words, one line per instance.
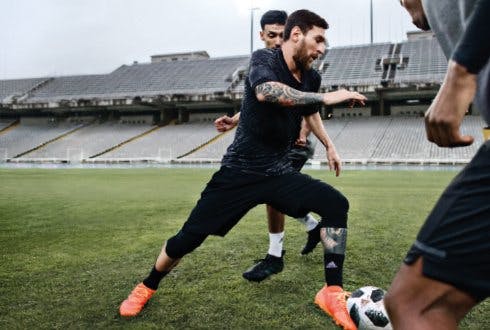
column 275, row 92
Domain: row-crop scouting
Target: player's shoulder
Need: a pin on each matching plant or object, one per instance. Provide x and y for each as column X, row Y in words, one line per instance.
column 264, row 54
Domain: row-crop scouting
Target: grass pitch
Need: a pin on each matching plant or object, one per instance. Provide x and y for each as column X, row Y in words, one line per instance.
column 74, row 242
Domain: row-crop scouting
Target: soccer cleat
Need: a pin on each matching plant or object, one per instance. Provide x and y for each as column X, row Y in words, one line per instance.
column 265, row 268
column 136, row 300
column 333, row 301
column 312, row 240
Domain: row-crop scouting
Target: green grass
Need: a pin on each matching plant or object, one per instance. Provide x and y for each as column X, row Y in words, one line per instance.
column 74, row 242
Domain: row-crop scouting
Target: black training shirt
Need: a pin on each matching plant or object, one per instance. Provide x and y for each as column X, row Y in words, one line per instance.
column 267, row 131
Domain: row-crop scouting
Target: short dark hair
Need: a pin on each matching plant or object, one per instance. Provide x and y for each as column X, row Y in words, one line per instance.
column 273, row 17
column 305, row 20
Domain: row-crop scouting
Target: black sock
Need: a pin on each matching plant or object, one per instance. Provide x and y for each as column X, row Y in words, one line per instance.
column 154, row 278
column 334, row 264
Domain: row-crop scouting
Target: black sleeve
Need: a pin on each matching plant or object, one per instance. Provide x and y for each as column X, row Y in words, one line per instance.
column 261, row 68
column 473, row 49
column 261, row 71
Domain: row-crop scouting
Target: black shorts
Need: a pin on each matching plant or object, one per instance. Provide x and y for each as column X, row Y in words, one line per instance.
column 230, row 194
column 455, row 239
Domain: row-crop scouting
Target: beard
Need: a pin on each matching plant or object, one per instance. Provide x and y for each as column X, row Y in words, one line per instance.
column 301, row 58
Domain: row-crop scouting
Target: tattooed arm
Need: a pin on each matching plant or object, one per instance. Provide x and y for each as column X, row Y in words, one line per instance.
column 276, row 92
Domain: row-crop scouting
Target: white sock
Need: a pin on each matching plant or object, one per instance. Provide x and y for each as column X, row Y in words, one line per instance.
column 309, row 222
column 275, row 244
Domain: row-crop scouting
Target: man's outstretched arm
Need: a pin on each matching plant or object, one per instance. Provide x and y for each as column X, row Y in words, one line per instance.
column 276, row 92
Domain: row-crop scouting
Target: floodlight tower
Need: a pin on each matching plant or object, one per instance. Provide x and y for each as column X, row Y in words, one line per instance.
column 371, row 16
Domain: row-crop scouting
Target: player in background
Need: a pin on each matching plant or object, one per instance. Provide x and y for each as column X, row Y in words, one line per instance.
column 447, row 270
column 280, row 90
column 272, row 24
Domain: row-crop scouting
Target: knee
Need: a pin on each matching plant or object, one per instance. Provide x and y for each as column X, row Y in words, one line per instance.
column 343, row 203
column 338, row 204
column 401, row 306
column 334, row 212
column 183, row 243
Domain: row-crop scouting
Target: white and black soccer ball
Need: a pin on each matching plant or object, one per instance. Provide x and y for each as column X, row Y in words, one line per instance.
column 367, row 310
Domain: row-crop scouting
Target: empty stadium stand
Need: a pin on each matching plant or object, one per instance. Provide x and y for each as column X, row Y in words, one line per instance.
column 374, row 66
column 163, row 111
column 11, row 90
column 425, row 63
column 5, row 123
column 32, row 133
column 71, row 88
column 143, row 80
column 384, row 140
column 86, row 142
column 354, row 66
column 389, row 140
column 164, row 144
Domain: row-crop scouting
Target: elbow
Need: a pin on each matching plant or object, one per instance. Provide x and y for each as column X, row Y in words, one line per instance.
column 260, row 97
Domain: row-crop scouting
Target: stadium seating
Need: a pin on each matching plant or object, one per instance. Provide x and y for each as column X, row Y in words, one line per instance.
column 373, row 140
column 364, row 140
column 213, row 151
column 180, row 77
column 71, row 88
column 420, row 61
column 128, row 81
column 87, row 141
column 195, row 82
column 166, row 143
column 32, row 133
column 426, row 62
column 4, row 123
column 10, row 89
column 353, row 65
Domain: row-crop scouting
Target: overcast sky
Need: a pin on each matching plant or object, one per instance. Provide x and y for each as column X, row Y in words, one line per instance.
column 69, row 37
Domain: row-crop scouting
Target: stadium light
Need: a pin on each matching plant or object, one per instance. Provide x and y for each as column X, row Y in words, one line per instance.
column 371, row 13
column 252, row 28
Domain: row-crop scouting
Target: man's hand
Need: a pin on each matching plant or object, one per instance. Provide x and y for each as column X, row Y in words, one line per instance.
column 343, row 95
column 443, row 118
column 225, row 123
column 303, row 134
column 334, row 162
column 301, row 141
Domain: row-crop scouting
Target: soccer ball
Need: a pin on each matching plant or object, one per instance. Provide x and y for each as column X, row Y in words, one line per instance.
column 367, row 310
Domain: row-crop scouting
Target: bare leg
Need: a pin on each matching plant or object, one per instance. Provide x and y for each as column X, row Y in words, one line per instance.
column 164, row 263
column 415, row 301
column 275, row 220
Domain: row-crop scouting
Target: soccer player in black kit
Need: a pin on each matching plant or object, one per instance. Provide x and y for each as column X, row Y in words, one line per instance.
column 280, row 90
column 272, row 24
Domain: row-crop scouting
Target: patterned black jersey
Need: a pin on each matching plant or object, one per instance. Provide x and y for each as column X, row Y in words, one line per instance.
column 266, row 131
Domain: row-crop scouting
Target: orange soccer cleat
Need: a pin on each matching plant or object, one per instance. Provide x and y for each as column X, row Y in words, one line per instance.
column 332, row 299
column 136, row 300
